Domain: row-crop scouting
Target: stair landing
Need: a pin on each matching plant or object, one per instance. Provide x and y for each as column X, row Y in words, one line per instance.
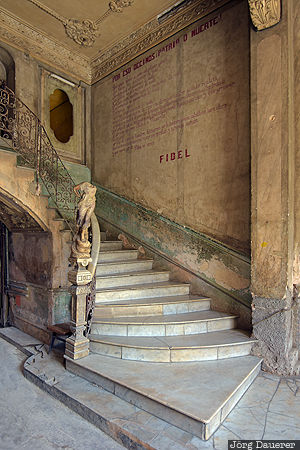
column 162, row 349
column 194, row 396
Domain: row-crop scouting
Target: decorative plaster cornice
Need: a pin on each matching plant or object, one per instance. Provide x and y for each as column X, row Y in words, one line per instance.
column 264, row 13
column 118, row 5
column 24, row 37
column 52, row 52
column 83, row 31
column 149, row 35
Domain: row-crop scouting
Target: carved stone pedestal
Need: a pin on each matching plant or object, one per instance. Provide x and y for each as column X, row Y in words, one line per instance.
column 77, row 346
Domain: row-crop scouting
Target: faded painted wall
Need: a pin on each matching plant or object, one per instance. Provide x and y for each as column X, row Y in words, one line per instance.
column 211, row 268
column 171, row 128
column 30, row 75
column 275, row 191
column 40, row 261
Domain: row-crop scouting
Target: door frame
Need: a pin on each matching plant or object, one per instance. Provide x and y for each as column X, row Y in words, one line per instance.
column 4, row 279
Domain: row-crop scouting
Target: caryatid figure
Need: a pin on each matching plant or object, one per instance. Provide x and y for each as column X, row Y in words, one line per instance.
column 87, row 194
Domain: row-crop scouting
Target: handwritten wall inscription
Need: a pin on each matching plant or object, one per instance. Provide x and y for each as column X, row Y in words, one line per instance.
column 142, row 113
column 172, row 127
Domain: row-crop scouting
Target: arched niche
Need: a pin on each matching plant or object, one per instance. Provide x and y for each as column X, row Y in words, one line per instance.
column 7, row 68
column 61, row 115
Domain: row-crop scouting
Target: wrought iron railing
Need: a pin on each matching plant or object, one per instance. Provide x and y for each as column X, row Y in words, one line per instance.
column 23, row 132
column 90, row 306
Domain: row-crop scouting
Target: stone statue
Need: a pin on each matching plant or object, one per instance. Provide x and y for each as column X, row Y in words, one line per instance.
column 81, row 245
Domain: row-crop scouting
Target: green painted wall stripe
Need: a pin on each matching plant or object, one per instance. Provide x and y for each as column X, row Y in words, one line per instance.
column 212, row 242
column 178, row 244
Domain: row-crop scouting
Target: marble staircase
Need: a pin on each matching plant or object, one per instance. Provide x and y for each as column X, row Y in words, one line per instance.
column 142, row 315
column 38, row 206
column 157, row 346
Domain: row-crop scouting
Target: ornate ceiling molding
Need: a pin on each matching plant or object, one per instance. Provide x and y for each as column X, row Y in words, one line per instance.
column 83, row 31
column 20, row 35
column 90, row 70
column 118, row 5
column 264, row 13
column 149, row 35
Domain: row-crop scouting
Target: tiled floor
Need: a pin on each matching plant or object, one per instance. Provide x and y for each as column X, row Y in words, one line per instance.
column 33, row 420
column 270, row 409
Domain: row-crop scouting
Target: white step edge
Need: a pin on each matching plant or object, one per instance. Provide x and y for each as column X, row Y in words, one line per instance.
column 153, row 306
column 142, row 291
column 168, row 325
column 192, row 415
column 198, row 347
column 129, row 265
column 111, row 245
column 131, row 278
column 117, row 255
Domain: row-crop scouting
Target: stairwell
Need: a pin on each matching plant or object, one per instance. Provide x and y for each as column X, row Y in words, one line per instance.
column 162, row 349
column 152, row 343
column 39, row 208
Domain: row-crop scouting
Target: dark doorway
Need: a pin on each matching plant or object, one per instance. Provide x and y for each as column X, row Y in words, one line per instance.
column 3, row 275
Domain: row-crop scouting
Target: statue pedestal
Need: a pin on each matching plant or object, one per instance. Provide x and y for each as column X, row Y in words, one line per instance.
column 77, row 346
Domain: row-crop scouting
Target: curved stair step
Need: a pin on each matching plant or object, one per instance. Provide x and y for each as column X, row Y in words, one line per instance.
column 131, row 278
column 152, row 306
column 123, row 266
column 168, row 325
column 116, row 255
column 196, row 397
column 111, row 245
column 142, row 291
column 197, row 347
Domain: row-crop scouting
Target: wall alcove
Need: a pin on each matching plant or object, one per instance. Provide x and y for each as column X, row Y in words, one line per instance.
column 61, row 115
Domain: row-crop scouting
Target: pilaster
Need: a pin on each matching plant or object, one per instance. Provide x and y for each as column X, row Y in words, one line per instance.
column 273, row 193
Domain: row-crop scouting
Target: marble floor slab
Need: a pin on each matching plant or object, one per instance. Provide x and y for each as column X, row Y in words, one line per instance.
column 18, row 338
column 269, row 409
column 33, row 420
column 196, row 389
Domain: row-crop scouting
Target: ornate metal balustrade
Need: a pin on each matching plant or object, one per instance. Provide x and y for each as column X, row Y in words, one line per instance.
column 90, row 305
column 23, row 132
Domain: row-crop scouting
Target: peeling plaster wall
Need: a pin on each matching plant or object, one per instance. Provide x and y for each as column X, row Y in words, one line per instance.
column 33, row 264
column 275, row 191
column 30, row 88
column 212, row 268
column 296, row 267
column 40, row 261
column 171, row 130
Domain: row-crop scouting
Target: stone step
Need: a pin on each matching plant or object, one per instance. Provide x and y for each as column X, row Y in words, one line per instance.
column 142, row 291
column 107, row 268
column 167, row 325
column 131, row 278
column 196, row 397
column 153, row 306
column 111, row 245
column 117, row 255
column 197, row 347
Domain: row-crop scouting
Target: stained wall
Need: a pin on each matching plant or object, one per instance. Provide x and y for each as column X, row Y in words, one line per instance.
column 275, row 192
column 39, row 261
column 171, row 128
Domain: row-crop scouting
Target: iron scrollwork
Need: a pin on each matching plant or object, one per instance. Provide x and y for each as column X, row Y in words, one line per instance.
column 25, row 134
column 90, row 305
